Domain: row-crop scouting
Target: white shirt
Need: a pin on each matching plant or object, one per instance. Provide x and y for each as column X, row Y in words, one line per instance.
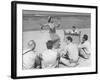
column 76, row 31
column 29, row 60
column 72, row 51
column 49, row 59
column 86, row 46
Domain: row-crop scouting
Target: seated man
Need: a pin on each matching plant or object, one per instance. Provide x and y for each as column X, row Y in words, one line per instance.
column 29, row 56
column 70, row 54
column 84, row 47
column 74, row 30
column 50, row 56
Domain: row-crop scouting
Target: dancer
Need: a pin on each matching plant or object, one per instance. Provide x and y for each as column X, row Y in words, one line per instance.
column 52, row 27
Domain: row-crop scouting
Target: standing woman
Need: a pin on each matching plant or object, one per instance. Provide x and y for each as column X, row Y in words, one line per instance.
column 52, row 28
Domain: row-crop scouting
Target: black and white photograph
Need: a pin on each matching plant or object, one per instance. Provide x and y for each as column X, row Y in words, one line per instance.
column 54, row 40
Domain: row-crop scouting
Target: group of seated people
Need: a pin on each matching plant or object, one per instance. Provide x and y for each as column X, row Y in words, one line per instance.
column 55, row 55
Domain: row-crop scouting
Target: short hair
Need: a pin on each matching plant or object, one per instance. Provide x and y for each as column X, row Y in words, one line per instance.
column 49, row 44
column 69, row 38
column 85, row 36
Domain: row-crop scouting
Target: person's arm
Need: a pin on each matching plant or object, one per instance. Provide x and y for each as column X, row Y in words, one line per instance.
column 44, row 26
column 57, row 25
column 65, row 52
column 82, row 45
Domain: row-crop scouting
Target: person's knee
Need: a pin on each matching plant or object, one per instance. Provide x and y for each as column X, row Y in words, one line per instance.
column 64, row 61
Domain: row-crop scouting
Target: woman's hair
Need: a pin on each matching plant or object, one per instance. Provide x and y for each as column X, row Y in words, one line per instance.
column 49, row 19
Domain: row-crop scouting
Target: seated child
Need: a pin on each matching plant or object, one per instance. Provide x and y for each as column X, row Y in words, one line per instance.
column 50, row 56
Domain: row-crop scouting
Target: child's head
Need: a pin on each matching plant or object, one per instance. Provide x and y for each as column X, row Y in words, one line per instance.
column 49, row 44
column 69, row 39
column 85, row 37
column 32, row 44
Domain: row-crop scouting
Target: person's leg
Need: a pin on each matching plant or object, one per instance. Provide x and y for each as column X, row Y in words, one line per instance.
column 66, row 62
column 37, row 62
column 83, row 54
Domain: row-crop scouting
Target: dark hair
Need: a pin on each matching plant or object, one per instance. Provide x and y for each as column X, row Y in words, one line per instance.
column 49, row 20
column 49, row 44
column 85, row 37
column 69, row 38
